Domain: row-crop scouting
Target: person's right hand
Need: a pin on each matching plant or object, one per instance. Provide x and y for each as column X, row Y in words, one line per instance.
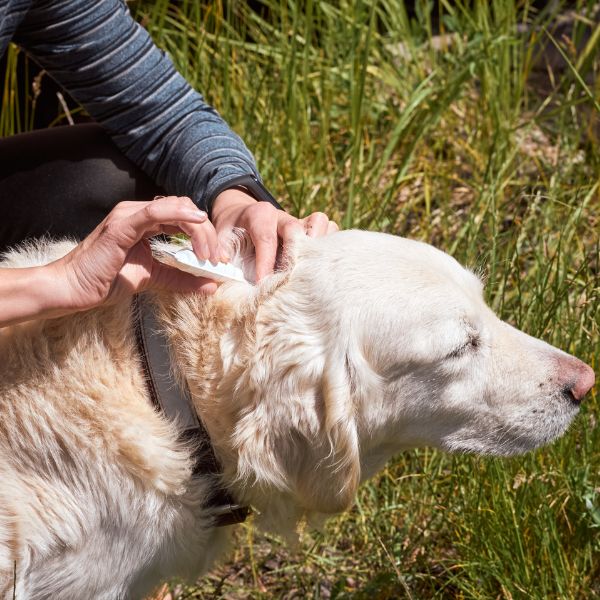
column 115, row 260
column 266, row 226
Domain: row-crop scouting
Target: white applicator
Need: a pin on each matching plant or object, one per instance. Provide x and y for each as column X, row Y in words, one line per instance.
column 184, row 259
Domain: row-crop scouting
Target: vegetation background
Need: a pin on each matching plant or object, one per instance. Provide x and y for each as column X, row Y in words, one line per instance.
column 472, row 125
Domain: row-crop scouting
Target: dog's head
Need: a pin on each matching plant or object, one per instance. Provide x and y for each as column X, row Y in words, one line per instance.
column 370, row 344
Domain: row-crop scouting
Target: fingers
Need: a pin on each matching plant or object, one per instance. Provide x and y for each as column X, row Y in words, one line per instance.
column 204, row 240
column 289, row 229
column 261, row 225
column 131, row 221
column 317, row 224
column 202, row 234
column 265, row 225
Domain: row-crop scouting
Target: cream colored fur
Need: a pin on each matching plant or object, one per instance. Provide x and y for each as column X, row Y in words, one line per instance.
column 364, row 345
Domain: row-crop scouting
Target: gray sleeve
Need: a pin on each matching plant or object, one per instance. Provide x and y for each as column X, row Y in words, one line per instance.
column 110, row 65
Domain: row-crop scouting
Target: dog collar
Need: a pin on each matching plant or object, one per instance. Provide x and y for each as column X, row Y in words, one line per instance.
column 174, row 402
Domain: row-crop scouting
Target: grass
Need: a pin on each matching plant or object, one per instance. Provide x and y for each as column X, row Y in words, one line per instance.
column 353, row 108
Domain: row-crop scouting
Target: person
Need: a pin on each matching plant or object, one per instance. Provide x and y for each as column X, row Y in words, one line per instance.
column 153, row 136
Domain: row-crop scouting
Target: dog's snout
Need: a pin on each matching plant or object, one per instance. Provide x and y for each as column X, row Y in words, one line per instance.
column 578, row 378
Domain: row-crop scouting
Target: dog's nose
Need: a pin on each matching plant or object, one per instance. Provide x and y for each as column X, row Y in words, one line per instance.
column 578, row 377
column 584, row 383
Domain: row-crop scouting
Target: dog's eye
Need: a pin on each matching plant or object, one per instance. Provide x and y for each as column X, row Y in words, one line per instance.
column 471, row 344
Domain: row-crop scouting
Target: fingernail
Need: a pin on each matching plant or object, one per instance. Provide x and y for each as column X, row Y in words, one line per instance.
column 205, row 251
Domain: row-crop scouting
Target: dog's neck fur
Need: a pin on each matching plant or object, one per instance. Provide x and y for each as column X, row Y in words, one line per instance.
column 212, row 340
column 281, row 418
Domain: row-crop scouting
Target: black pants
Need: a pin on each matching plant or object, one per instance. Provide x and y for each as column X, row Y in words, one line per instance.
column 62, row 182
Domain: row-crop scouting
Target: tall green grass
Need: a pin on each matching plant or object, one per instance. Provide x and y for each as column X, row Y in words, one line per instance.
column 352, row 108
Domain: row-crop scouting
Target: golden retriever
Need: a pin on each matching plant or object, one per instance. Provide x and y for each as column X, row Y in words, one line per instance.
column 365, row 344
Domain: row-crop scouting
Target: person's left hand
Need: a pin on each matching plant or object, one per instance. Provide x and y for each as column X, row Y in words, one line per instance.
column 115, row 260
column 265, row 224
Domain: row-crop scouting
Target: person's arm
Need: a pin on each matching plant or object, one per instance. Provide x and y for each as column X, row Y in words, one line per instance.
column 112, row 263
column 110, row 65
column 25, row 293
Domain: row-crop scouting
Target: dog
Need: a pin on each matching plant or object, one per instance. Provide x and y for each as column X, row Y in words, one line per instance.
column 363, row 345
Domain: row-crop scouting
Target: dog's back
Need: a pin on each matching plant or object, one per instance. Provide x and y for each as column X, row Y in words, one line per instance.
column 95, row 498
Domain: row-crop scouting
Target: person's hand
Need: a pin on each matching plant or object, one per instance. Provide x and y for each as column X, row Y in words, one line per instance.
column 112, row 263
column 265, row 224
column 115, row 260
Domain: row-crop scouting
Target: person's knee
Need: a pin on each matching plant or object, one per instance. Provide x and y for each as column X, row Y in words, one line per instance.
column 63, row 182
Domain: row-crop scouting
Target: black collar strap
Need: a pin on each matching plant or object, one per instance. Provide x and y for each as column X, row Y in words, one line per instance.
column 175, row 404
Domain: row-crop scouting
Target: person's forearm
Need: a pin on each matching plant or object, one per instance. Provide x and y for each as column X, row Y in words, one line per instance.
column 132, row 89
column 28, row 293
column 110, row 264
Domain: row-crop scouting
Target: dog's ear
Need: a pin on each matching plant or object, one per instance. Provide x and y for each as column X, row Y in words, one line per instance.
column 330, row 483
column 299, row 438
column 296, row 436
